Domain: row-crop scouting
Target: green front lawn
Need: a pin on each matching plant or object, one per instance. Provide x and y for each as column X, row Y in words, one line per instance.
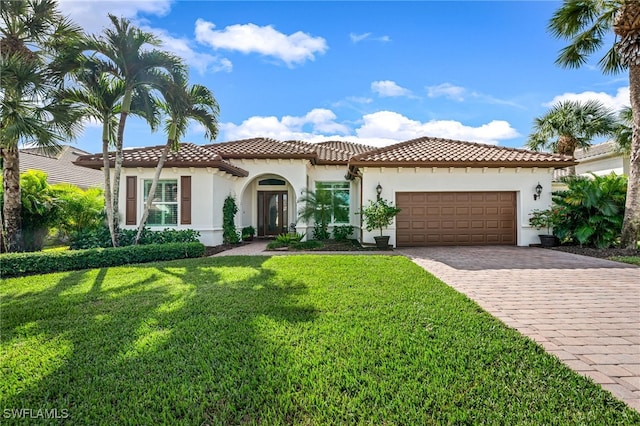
column 283, row 340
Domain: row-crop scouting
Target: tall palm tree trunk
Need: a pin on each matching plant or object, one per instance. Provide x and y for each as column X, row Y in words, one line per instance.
column 631, row 223
column 117, row 170
column 152, row 190
column 108, row 201
column 12, row 208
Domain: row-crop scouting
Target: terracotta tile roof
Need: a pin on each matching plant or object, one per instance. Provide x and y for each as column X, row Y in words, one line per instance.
column 189, row 155
column 263, row 148
column 436, row 152
column 338, row 152
column 604, row 149
column 59, row 166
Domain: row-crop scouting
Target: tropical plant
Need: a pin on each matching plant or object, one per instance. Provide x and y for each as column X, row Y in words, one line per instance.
column 320, row 206
column 590, row 211
column 624, row 132
column 40, row 208
column 572, row 124
column 36, row 42
column 379, row 214
column 100, row 96
column 248, row 232
column 121, row 52
column 342, row 232
column 182, row 104
column 542, row 219
column 80, row 209
column 229, row 210
column 587, row 25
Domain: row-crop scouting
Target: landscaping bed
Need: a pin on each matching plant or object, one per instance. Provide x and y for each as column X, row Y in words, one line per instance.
column 603, row 253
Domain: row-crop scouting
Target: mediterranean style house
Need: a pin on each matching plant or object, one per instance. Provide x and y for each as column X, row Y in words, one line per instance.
column 450, row 192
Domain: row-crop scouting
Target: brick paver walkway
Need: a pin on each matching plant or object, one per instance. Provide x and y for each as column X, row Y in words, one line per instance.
column 584, row 310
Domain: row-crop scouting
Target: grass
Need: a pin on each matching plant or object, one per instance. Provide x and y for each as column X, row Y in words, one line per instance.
column 283, row 340
column 633, row 260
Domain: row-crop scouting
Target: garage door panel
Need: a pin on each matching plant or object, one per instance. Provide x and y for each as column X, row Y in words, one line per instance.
column 456, row 218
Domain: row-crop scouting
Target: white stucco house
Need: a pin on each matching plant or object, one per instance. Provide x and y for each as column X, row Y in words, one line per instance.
column 450, row 192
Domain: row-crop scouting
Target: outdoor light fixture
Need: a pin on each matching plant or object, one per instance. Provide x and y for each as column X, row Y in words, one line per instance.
column 538, row 191
column 379, row 190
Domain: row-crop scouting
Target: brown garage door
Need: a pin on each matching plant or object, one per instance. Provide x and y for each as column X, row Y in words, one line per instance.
column 456, row 218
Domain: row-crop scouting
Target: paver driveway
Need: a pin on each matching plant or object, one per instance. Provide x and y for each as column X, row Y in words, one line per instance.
column 582, row 309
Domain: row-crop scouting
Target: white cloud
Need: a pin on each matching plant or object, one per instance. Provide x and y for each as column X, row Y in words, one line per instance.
column 378, row 129
column 312, row 127
column 388, row 88
column 182, row 47
column 389, row 125
column 92, row 15
column 357, row 38
column 616, row 102
column 292, row 49
column 448, row 90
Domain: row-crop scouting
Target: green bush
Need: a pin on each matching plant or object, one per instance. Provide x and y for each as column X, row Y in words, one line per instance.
column 320, row 231
column 289, row 238
column 100, row 238
column 591, row 210
column 342, row 232
column 19, row 264
column 80, row 209
column 229, row 232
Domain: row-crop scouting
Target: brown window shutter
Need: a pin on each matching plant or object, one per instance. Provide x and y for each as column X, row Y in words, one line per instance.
column 185, row 200
column 132, row 200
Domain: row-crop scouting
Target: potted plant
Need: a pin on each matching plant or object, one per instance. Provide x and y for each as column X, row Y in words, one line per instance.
column 379, row 215
column 544, row 219
column 247, row 233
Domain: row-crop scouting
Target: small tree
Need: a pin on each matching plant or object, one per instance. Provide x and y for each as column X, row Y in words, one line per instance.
column 319, row 205
column 379, row 215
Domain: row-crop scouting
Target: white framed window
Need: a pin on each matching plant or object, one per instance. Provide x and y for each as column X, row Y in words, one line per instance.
column 340, row 199
column 164, row 207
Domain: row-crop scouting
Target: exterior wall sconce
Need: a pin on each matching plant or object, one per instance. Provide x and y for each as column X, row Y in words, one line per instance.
column 378, row 190
column 538, row 191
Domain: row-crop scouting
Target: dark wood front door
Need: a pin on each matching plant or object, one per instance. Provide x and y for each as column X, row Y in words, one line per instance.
column 273, row 217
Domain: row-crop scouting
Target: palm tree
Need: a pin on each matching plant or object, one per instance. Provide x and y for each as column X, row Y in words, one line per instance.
column 100, row 96
column 624, row 132
column 571, row 124
column 320, row 206
column 586, row 25
column 181, row 104
column 122, row 53
column 35, row 41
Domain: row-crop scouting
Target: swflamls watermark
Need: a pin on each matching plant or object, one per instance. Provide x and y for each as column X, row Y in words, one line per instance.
column 31, row 413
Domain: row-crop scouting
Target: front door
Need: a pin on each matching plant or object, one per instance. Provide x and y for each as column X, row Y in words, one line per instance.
column 273, row 217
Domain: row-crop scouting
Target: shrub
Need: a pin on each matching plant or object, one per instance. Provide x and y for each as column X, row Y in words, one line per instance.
column 591, row 210
column 289, row 238
column 80, row 209
column 229, row 232
column 379, row 214
column 341, row 233
column 100, row 238
column 543, row 219
column 320, row 231
column 18, row 264
column 248, row 232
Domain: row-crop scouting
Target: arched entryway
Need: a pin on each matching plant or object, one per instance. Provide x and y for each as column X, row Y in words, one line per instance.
column 272, row 207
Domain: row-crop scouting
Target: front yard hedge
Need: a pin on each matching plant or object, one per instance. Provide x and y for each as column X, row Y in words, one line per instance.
column 20, row 264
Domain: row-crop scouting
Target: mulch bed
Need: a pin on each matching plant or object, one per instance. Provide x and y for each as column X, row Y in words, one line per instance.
column 604, row 253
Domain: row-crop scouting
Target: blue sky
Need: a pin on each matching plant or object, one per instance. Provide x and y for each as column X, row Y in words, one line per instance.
column 367, row 71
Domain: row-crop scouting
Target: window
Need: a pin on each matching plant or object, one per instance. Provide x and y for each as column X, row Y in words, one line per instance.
column 164, row 208
column 272, row 181
column 340, row 198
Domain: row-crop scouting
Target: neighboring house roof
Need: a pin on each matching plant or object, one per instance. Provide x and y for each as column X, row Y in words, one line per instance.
column 59, row 166
column 605, row 149
column 189, row 155
column 437, row 152
column 422, row 152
